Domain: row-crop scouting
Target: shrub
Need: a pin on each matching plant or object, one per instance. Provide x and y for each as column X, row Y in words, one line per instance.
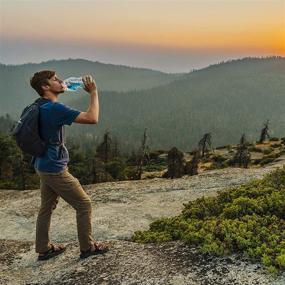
column 155, row 154
column 224, row 146
column 218, row 161
column 218, row 158
column 257, row 161
column 254, row 149
column 267, row 150
column 154, row 167
column 266, row 160
column 249, row 219
column 116, row 168
column 131, row 172
column 219, row 165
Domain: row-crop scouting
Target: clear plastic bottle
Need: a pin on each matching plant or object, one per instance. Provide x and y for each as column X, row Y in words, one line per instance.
column 73, row 83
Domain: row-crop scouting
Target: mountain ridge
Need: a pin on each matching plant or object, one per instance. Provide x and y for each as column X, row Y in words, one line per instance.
column 225, row 99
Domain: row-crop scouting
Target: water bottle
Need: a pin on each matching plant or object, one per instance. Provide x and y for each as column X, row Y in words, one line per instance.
column 73, row 83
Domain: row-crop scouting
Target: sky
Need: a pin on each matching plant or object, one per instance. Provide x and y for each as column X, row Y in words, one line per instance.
column 171, row 36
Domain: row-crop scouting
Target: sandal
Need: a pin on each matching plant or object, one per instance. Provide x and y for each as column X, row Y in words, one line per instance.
column 52, row 252
column 99, row 249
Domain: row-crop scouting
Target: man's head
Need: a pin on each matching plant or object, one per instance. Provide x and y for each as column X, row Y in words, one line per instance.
column 46, row 82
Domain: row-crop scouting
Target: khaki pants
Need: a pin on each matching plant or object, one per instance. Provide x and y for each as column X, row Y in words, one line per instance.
column 63, row 184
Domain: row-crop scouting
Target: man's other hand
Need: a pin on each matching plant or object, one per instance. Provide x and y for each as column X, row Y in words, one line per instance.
column 89, row 83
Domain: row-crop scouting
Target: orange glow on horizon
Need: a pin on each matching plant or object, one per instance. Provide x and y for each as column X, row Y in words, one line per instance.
column 200, row 25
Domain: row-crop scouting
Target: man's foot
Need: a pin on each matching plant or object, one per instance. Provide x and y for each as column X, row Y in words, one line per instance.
column 95, row 248
column 53, row 251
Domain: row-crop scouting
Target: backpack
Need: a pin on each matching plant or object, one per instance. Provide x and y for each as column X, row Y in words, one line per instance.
column 26, row 131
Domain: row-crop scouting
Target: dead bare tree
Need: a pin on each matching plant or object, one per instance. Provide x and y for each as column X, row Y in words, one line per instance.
column 205, row 144
column 264, row 132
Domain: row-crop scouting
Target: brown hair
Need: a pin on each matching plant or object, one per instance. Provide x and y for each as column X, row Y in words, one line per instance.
column 40, row 78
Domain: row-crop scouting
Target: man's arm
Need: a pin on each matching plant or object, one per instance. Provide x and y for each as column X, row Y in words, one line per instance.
column 91, row 116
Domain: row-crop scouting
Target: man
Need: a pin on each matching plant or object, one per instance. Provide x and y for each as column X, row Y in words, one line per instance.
column 55, row 180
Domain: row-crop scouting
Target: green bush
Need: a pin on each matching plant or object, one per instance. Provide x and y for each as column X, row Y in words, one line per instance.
column 274, row 139
column 223, row 146
column 116, row 168
column 267, row 150
column 218, row 162
column 275, row 145
column 274, row 155
column 131, row 172
column 257, row 161
column 266, row 160
column 154, row 167
column 255, row 149
column 218, row 158
column 249, row 219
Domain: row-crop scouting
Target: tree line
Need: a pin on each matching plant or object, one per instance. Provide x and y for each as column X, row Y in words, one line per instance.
column 104, row 161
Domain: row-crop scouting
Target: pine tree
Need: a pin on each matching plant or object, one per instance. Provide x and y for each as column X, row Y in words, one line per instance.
column 242, row 156
column 104, row 150
column 116, row 150
column 175, row 161
column 143, row 154
column 191, row 167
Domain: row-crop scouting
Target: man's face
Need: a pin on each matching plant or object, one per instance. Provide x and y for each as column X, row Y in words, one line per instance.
column 55, row 86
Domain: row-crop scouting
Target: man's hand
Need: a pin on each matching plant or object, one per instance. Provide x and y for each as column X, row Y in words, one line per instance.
column 89, row 84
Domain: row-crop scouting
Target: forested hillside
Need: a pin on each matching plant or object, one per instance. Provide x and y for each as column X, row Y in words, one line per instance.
column 226, row 100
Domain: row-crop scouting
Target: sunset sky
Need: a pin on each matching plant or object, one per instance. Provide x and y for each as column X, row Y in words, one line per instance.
column 171, row 36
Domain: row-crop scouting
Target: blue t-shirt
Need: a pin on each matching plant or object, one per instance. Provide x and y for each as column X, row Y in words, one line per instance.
column 54, row 115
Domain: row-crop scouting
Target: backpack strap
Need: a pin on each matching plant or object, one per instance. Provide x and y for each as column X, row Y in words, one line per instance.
column 39, row 102
column 62, row 134
column 61, row 146
column 60, row 143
